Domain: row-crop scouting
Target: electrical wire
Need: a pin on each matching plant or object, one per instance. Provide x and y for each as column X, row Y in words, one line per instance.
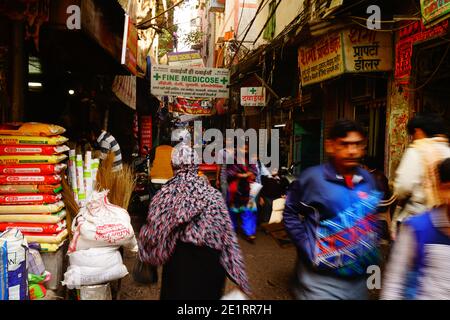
column 267, row 21
column 433, row 74
column 246, row 33
column 249, row 24
column 240, row 18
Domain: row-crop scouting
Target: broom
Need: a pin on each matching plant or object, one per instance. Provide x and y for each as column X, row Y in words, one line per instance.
column 120, row 184
column 72, row 207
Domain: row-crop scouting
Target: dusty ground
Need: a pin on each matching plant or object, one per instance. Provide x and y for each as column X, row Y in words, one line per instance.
column 269, row 268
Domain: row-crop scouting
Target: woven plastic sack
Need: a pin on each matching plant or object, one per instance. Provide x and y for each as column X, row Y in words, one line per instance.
column 42, row 228
column 30, row 208
column 31, row 150
column 23, row 140
column 102, row 222
column 38, row 218
column 30, row 188
column 81, row 276
column 96, row 257
column 33, row 169
column 30, row 129
column 14, row 160
column 29, row 198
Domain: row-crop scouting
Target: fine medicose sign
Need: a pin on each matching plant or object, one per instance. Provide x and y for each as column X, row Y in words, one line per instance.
column 190, row 82
column 253, row 96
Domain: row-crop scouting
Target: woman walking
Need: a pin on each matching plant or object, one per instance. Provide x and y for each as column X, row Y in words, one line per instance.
column 189, row 232
column 240, row 176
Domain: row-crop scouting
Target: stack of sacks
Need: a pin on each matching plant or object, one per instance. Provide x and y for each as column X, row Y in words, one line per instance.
column 30, row 182
column 99, row 230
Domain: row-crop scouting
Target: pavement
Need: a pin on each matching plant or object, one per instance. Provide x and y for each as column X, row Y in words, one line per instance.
column 269, row 268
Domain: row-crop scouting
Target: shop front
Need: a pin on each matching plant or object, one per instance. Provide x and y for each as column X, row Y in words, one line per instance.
column 346, row 74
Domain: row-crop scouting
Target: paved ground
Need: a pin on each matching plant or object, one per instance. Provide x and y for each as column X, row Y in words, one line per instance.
column 269, row 268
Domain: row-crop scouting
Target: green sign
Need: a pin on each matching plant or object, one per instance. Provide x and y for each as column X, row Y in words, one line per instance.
column 434, row 11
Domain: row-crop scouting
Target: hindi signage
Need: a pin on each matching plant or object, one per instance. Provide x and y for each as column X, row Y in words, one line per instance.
column 190, row 82
column 191, row 106
column 253, row 96
column 190, row 59
column 322, row 60
column 353, row 50
column 367, row 50
column 146, row 134
column 434, row 11
column 408, row 36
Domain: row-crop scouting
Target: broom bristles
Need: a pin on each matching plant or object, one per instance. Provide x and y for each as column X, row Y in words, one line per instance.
column 72, row 207
column 120, row 184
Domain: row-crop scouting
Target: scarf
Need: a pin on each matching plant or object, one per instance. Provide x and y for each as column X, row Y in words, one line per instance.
column 430, row 158
column 189, row 209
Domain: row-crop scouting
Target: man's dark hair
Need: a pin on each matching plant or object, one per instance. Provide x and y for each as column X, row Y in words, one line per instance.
column 342, row 127
column 444, row 170
column 430, row 123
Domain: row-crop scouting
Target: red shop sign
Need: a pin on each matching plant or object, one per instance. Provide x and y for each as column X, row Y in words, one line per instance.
column 146, row 134
column 408, row 36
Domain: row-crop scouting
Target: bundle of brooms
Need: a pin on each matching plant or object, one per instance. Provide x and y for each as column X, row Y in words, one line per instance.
column 120, row 185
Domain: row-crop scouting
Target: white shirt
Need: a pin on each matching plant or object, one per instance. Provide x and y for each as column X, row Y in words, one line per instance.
column 410, row 176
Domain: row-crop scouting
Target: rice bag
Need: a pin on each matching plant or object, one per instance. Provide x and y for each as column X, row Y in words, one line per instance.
column 28, row 227
column 32, row 209
column 51, row 141
column 33, row 169
column 38, row 218
column 12, row 160
column 29, row 198
column 18, row 189
column 47, row 179
column 47, row 238
column 30, row 129
column 31, row 150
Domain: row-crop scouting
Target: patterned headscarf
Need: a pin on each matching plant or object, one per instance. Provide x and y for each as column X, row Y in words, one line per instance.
column 189, row 209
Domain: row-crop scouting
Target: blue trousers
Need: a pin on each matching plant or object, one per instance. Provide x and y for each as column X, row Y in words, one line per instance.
column 249, row 219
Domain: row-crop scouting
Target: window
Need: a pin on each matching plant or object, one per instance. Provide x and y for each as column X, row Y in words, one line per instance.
column 269, row 31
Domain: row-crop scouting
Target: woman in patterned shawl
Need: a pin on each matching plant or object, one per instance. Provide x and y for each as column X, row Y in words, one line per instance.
column 189, row 231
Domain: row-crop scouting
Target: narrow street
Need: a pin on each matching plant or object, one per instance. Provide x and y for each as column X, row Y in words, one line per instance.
column 268, row 265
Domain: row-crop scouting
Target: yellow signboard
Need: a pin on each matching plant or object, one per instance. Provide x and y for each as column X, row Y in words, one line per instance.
column 367, row 50
column 352, row 50
column 322, row 60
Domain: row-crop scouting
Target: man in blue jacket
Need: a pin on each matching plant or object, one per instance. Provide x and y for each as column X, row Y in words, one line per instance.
column 330, row 214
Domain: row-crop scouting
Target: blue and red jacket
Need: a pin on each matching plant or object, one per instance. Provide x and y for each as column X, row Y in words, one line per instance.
column 334, row 225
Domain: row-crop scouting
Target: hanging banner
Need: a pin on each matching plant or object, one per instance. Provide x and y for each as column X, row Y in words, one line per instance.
column 253, row 96
column 146, row 134
column 124, row 87
column 407, row 37
column 190, row 82
column 321, row 60
column 130, row 46
column 191, row 106
column 367, row 50
column 434, row 11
